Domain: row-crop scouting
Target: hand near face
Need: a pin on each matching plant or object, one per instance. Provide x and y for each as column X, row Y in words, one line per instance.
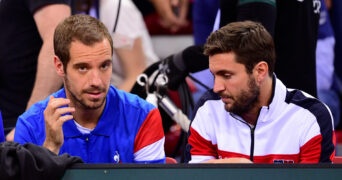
column 55, row 114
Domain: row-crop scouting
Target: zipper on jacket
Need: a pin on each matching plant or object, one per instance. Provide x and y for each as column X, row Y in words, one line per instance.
column 252, row 128
column 251, row 156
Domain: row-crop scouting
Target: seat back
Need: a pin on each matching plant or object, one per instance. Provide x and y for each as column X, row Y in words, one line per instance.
column 337, row 160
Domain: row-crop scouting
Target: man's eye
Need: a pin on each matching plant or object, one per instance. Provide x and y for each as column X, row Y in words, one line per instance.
column 105, row 66
column 227, row 76
column 82, row 69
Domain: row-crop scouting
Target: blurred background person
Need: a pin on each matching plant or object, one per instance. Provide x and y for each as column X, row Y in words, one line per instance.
column 133, row 51
column 26, row 54
column 166, row 17
column 327, row 81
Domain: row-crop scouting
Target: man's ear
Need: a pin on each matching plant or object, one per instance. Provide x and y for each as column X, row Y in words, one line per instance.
column 261, row 71
column 59, row 66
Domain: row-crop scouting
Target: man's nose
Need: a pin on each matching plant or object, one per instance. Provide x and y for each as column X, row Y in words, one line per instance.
column 95, row 77
column 218, row 85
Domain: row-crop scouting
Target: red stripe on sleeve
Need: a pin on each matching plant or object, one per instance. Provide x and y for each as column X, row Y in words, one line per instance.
column 150, row 131
column 310, row 152
column 201, row 146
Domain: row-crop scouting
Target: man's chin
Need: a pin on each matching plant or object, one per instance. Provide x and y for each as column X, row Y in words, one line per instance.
column 94, row 104
column 228, row 107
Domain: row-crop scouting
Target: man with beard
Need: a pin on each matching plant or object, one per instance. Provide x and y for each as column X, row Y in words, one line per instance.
column 90, row 118
column 252, row 116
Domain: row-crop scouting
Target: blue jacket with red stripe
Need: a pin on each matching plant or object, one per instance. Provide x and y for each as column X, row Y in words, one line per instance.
column 128, row 131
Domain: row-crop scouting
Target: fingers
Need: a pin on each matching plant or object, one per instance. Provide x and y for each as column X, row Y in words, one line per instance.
column 173, row 15
column 57, row 102
column 55, row 114
column 175, row 2
column 60, row 121
column 63, row 114
column 183, row 12
column 10, row 135
column 58, row 110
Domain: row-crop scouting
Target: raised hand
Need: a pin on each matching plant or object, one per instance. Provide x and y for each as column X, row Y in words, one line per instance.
column 55, row 114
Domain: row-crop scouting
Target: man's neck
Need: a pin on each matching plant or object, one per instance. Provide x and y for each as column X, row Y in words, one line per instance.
column 266, row 89
column 87, row 118
column 252, row 116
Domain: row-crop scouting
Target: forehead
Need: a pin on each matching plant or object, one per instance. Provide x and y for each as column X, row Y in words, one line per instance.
column 80, row 52
column 224, row 62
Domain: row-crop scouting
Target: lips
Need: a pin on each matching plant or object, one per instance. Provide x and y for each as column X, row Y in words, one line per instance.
column 95, row 95
column 226, row 99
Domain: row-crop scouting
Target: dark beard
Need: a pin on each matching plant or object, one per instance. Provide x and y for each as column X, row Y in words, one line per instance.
column 78, row 101
column 246, row 100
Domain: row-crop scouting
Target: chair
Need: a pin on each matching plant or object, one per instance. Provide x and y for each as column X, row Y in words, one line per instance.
column 337, row 160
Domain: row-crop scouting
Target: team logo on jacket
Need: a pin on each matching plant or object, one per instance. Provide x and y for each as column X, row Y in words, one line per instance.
column 283, row 161
column 116, row 157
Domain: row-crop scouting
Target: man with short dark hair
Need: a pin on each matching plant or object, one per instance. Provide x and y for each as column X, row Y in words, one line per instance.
column 89, row 117
column 252, row 116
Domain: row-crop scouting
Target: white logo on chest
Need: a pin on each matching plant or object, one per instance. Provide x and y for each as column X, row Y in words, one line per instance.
column 116, row 157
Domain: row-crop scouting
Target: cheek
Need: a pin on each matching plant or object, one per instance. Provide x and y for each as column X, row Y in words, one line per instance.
column 73, row 81
column 234, row 83
column 75, row 78
column 107, row 76
column 237, row 86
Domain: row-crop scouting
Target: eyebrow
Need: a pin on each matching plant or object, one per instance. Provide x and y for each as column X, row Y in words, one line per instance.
column 107, row 61
column 87, row 64
column 224, row 72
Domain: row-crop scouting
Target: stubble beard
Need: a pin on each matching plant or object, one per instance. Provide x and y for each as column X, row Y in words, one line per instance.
column 81, row 102
column 246, row 100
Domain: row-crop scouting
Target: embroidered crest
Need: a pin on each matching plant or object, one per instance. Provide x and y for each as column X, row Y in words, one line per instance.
column 116, row 157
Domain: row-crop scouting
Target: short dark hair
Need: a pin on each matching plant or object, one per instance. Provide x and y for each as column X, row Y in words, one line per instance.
column 79, row 27
column 249, row 40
